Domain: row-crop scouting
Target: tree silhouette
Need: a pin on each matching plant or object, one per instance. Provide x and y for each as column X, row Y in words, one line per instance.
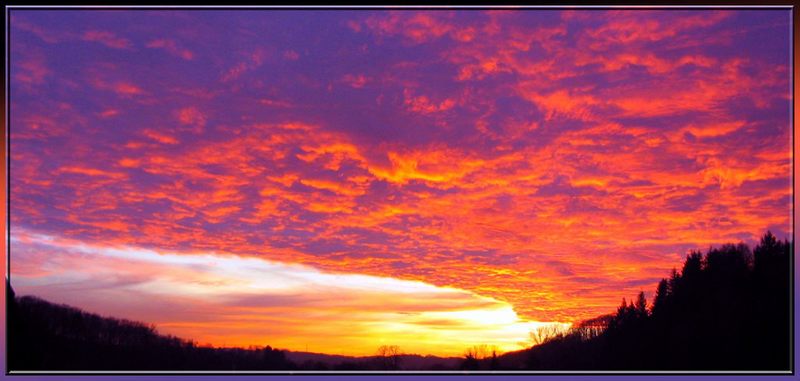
column 481, row 357
column 726, row 310
column 389, row 357
column 662, row 293
column 544, row 333
column 470, row 362
column 640, row 308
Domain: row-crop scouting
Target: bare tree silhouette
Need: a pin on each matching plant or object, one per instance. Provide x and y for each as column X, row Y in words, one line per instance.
column 389, row 357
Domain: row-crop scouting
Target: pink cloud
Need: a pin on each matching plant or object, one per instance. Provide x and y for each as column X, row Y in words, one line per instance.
column 160, row 137
column 44, row 34
column 109, row 113
column 172, row 48
column 126, row 88
column 191, row 116
column 107, row 38
column 34, row 71
column 252, row 61
column 291, row 55
column 355, row 81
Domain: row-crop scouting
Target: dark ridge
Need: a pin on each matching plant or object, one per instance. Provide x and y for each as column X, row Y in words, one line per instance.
column 46, row 336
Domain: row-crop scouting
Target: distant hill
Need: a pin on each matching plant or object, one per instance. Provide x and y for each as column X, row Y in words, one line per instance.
column 319, row 361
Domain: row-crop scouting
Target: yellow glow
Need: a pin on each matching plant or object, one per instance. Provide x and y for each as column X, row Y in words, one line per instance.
column 228, row 300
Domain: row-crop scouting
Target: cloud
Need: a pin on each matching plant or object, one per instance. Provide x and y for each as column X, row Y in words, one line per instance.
column 39, row 31
column 122, row 88
column 33, row 71
column 291, row 55
column 159, row 137
column 107, row 38
column 419, row 27
column 125, row 88
column 251, row 61
column 422, row 104
column 171, row 47
column 109, row 113
column 355, row 81
column 191, row 116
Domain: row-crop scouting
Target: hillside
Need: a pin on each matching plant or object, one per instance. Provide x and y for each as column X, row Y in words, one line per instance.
column 46, row 336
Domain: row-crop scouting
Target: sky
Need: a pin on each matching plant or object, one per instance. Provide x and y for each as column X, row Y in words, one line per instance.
column 334, row 180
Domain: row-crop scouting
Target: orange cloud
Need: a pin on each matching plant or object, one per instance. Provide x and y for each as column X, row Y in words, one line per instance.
column 422, row 104
column 161, row 138
column 91, row 172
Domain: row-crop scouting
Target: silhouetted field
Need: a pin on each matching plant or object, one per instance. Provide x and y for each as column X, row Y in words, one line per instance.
column 727, row 309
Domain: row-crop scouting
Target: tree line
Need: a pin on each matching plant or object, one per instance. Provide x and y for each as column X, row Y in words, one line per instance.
column 727, row 309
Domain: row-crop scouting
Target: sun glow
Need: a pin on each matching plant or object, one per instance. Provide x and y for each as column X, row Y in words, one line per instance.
column 239, row 296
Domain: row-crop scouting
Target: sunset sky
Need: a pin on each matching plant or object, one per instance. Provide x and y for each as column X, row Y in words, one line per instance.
column 334, row 180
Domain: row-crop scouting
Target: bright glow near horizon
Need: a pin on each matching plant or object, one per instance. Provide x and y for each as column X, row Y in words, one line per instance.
column 239, row 293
